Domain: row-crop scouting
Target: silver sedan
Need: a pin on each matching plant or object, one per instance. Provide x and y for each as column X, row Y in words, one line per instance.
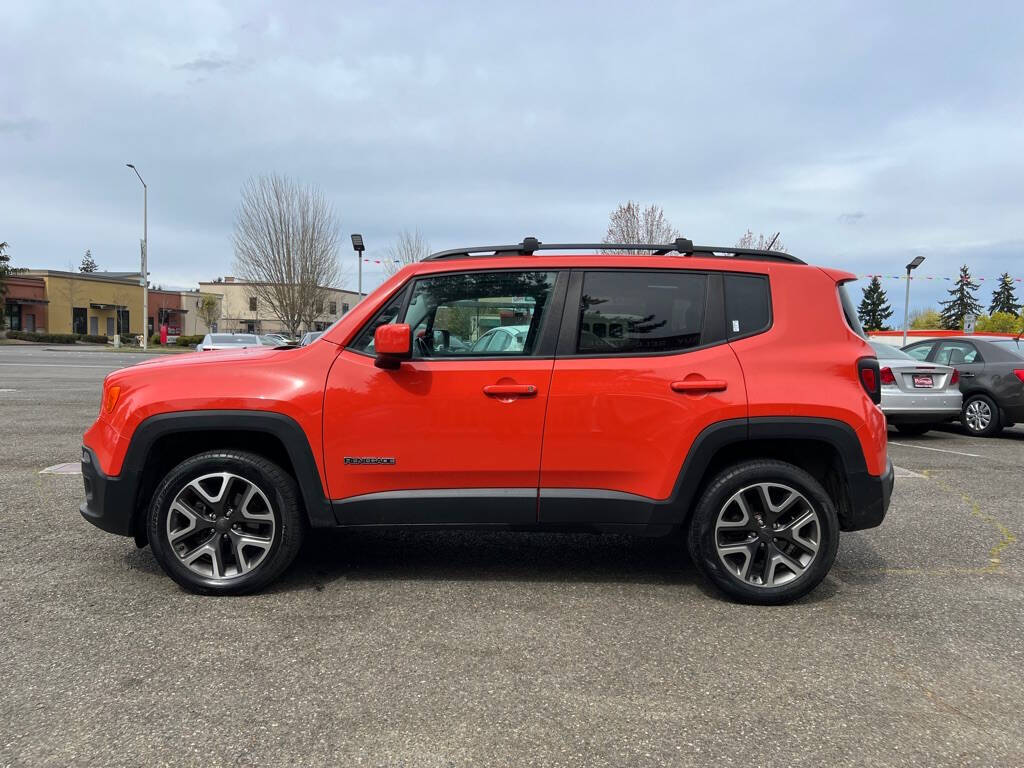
column 916, row 396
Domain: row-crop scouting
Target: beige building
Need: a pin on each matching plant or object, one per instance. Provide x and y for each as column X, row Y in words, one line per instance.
column 243, row 311
column 192, row 303
column 98, row 303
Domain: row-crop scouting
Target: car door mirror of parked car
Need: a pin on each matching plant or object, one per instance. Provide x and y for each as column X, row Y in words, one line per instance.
column 393, row 344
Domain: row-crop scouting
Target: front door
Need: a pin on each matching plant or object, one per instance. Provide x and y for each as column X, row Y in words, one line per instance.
column 453, row 435
column 642, row 369
column 94, row 326
column 110, row 326
column 963, row 356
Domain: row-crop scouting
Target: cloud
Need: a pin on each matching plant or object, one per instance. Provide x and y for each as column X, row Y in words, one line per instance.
column 27, row 128
column 205, row 64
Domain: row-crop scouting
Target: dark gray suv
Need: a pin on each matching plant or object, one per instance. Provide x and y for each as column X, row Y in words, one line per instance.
column 991, row 378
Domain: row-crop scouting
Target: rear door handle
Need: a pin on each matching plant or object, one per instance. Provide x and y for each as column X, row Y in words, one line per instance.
column 518, row 390
column 967, row 374
column 699, row 385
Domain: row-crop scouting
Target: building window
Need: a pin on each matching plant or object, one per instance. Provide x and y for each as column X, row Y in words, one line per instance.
column 319, row 307
column 78, row 315
column 252, row 303
column 344, row 308
column 334, row 307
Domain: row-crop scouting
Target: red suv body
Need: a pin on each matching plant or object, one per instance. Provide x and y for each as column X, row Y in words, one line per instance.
column 732, row 397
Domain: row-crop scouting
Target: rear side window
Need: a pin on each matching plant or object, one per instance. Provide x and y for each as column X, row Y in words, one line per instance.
column 850, row 312
column 748, row 304
column 640, row 312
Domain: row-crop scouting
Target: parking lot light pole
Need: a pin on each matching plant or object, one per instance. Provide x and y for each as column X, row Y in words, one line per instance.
column 358, row 247
column 906, row 305
column 145, row 253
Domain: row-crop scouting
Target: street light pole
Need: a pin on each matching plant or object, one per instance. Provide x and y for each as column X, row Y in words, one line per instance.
column 359, row 247
column 145, row 254
column 906, row 301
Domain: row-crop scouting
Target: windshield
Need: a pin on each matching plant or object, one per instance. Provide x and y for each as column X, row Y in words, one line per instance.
column 887, row 352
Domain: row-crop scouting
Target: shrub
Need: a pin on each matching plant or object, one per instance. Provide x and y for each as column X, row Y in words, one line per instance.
column 154, row 340
column 92, row 338
column 999, row 322
column 44, row 338
column 188, row 341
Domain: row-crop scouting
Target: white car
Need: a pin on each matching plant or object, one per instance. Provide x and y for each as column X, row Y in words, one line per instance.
column 504, row 338
column 213, row 341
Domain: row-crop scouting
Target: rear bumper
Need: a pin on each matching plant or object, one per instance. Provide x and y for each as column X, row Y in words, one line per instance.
column 924, row 406
column 109, row 501
column 869, row 499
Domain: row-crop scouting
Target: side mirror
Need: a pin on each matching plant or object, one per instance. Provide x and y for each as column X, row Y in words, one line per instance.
column 393, row 344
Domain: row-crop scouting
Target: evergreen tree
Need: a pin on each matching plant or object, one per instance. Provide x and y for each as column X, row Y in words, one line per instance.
column 1003, row 297
column 6, row 271
column 88, row 263
column 962, row 302
column 874, row 308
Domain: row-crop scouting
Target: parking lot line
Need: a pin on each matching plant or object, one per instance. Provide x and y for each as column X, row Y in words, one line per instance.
column 940, row 450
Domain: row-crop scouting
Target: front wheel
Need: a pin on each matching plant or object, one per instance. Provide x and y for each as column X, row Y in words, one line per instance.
column 980, row 416
column 764, row 532
column 225, row 522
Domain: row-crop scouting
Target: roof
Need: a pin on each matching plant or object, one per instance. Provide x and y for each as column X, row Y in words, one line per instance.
column 127, row 278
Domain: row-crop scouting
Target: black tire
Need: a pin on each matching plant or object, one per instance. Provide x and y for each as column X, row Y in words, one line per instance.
column 279, row 509
column 972, row 416
column 703, row 534
column 913, row 429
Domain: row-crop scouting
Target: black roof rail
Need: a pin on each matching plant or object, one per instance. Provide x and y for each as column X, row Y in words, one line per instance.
column 681, row 246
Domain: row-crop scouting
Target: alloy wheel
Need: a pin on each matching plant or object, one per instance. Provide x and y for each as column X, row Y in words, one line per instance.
column 221, row 526
column 978, row 415
column 767, row 534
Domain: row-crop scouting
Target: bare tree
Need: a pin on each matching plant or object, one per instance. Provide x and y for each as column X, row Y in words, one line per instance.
column 633, row 223
column 409, row 248
column 286, row 246
column 762, row 242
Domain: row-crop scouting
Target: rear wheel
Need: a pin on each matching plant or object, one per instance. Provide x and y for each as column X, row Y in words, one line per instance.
column 980, row 416
column 764, row 532
column 225, row 522
column 913, row 429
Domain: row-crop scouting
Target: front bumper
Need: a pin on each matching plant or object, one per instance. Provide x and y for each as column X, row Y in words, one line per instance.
column 109, row 501
column 869, row 497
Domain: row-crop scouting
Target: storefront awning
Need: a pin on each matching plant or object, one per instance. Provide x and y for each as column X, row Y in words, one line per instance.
column 25, row 301
column 108, row 306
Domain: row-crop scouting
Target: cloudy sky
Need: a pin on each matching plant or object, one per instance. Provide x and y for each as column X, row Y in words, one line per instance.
column 866, row 132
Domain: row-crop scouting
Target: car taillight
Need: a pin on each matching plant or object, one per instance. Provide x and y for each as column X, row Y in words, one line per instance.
column 867, row 372
column 956, row 377
column 885, row 374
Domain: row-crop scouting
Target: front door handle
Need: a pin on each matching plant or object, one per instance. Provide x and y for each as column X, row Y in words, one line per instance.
column 510, row 390
column 699, row 385
column 967, row 374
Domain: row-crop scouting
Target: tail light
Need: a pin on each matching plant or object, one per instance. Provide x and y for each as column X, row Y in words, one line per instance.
column 867, row 372
column 1019, row 373
column 956, row 377
column 886, row 376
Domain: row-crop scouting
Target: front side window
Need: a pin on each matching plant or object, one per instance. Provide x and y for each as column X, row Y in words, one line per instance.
column 478, row 313
column 640, row 312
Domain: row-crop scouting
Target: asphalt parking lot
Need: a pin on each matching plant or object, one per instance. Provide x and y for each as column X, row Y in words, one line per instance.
column 431, row 649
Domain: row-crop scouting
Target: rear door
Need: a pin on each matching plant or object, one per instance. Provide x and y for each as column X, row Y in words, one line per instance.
column 642, row 367
column 965, row 357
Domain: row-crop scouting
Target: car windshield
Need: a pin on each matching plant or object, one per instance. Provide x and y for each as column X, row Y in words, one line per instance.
column 888, row 352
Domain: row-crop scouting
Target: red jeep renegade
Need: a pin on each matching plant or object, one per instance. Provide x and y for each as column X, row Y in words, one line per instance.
column 725, row 392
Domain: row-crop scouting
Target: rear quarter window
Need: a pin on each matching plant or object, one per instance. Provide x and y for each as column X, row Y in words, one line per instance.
column 748, row 305
column 850, row 312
